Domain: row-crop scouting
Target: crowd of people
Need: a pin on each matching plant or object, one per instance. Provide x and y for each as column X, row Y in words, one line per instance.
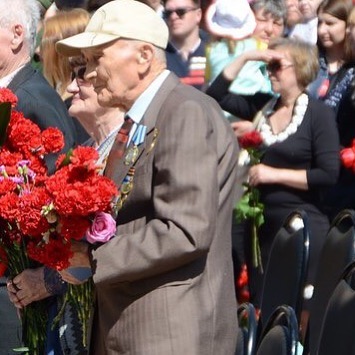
column 195, row 77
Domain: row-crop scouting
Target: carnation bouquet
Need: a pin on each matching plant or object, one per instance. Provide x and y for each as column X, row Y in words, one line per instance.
column 40, row 214
column 249, row 207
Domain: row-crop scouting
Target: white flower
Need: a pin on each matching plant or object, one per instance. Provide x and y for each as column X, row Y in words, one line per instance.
column 244, row 158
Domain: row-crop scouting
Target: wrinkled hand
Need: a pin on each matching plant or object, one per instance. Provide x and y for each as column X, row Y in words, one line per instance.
column 27, row 287
column 241, row 127
column 261, row 174
column 79, row 259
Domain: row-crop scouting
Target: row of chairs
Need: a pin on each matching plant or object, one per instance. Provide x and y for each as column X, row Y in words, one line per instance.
column 284, row 281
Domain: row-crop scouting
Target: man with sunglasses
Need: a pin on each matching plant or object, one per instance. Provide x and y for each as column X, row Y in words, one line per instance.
column 186, row 48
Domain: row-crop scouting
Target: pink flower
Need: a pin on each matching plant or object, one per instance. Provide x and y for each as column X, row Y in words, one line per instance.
column 102, row 228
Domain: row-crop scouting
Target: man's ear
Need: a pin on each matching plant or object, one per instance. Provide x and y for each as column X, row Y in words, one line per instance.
column 18, row 36
column 145, row 56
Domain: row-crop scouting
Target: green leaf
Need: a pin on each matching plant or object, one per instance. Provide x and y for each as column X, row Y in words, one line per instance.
column 5, row 114
column 66, row 160
column 20, row 350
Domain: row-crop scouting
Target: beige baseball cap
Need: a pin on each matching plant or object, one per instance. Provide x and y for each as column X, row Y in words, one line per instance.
column 118, row 19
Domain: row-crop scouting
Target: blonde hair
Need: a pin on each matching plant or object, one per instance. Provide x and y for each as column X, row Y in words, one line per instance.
column 351, row 18
column 56, row 68
column 304, row 57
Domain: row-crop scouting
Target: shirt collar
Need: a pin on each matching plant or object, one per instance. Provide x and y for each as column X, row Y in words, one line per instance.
column 6, row 80
column 136, row 112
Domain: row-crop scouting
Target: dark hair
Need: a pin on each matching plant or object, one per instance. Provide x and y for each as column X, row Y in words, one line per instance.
column 69, row 4
column 197, row 3
column 93, row 5
column 337, row 8
column 276, row 8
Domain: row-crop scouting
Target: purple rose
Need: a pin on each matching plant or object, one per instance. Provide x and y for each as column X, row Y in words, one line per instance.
column 102, row 228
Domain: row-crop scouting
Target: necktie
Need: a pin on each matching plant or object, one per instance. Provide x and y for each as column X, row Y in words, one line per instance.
column 119, row 145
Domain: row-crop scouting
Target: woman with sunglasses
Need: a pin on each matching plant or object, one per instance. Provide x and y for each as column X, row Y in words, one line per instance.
column 56, row 68
column 101, row 123
column 300, row 145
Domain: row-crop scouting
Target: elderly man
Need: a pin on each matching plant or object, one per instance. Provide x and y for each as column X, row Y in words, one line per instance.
column 36, row 99
column 164, row 282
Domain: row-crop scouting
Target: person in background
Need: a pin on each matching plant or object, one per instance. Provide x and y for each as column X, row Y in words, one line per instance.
column 172, row 244
column 101, row 123
column 185, row 52
column 253, row 78
column 37, row 100
column 56, row 68
column 300, row 153
column 156, row 5
column 269, row 23
column 293, row 15
column 306, row 30
column 334, row 86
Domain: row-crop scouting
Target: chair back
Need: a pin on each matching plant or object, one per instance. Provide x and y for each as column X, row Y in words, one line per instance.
column 247, row 329
column 286, row 271
column 280, row 334
column 338, row 251
column 338, row 330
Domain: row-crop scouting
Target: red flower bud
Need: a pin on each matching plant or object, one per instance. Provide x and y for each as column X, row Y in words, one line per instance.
column 347, row 156
column 251, row 139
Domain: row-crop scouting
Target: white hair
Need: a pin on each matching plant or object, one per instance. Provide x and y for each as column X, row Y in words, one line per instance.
column 25, row 13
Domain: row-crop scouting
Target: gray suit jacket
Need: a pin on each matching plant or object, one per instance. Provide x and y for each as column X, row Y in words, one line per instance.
column 164, row 282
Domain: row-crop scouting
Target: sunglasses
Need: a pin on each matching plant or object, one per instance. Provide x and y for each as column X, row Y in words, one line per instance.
column 180, row 12
column 276, row 65
column 78, row 73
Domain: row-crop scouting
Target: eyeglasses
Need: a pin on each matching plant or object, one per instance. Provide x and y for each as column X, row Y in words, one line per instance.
column 276, row 65
column 180, row 12
column 78, row 73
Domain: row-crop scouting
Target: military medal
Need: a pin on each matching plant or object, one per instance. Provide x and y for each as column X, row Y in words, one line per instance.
column 155, row 136
column 131, row 155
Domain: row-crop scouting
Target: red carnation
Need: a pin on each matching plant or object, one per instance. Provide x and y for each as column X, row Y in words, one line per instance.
column 10, row 160
column 84, row 156
column 6, row 95
column 55, row 254
column 9, row 207
column 74, row 227
column 347, row 156
column 251, row 139
column 52, row 140
column 24, row 136
column 7, row 185
column 31, row 220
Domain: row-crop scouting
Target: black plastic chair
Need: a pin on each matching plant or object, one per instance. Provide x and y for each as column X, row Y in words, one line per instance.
column 286, row 271
column 280, row 335
column 247, row 330
column 338, row 330
column 338, row 251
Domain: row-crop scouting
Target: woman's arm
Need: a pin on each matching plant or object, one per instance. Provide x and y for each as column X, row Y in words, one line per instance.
column 264, row 174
